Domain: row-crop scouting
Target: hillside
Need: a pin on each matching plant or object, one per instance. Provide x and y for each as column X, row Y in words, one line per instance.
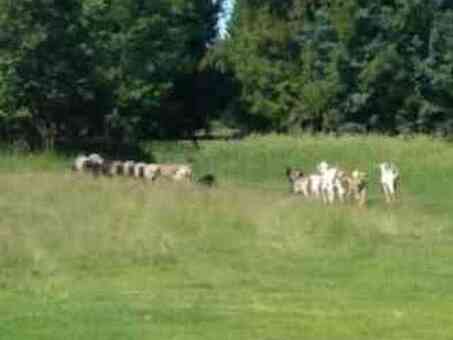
column 116, row 259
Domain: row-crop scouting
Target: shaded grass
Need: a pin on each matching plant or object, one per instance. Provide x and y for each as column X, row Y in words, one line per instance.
column 113, row 259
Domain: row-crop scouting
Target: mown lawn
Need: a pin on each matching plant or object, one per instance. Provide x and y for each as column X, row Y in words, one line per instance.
column 115, row 259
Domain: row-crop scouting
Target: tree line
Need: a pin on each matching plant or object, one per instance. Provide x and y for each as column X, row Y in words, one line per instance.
column 114, row 69
column 343, row 66
column 126, row 70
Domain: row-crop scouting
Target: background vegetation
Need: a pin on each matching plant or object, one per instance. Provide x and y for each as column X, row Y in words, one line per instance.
column 350, row 65
column 120, row 70
column 123, row 71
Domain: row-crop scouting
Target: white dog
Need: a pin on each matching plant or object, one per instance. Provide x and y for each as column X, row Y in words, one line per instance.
column 315, row 185
column 96, row 158
column 332, row 182
column 390, row 177
column 80, row 163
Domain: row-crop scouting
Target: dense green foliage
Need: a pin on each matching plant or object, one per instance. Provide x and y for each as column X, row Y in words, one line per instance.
column 347, row 65
column 127, row 70
column 116, row 68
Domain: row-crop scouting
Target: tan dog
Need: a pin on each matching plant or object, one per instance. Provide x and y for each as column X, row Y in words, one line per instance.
column 175, row 172
column 358, row 187
column 352, row 186
column 151, row 172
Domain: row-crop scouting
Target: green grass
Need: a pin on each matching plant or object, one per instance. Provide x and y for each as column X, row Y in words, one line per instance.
column 112, row 259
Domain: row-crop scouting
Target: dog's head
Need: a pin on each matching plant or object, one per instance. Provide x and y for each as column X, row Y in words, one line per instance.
column 293, row 174
column 388, row 168
column 80, row 163
column 96, row 158
column 359, row 179
column 359, row 175
column 322, row 167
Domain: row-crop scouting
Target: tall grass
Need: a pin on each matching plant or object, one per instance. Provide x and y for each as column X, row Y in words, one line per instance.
column 116, row 259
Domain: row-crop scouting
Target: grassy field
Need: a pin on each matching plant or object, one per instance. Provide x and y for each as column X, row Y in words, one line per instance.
column 115, row 259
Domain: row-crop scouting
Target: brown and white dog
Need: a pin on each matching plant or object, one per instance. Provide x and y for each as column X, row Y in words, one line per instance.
column 92, row 163
column 139, row 169
column 299, row 183
column 175, row 172
column 358, row 187
column 112, row 168
column 97, row 165
column 307, row 185
column 337, row 183
column 151, row 172
column 128, row 168
column 146, row 171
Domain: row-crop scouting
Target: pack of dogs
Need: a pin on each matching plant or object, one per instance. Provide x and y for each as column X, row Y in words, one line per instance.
column 330, row 183
column 97, row 166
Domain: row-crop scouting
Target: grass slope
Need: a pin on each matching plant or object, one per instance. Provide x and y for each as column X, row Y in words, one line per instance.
column 113, row 259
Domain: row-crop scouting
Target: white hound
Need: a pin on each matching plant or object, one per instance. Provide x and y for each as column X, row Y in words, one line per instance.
column 80, row 163
column 390, row 177
column 315, row 185
column 332, row 183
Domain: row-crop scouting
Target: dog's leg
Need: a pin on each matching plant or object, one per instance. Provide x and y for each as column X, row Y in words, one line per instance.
column 388, row 197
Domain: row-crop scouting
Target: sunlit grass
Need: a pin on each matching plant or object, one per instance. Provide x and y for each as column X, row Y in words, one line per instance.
column 116, row 259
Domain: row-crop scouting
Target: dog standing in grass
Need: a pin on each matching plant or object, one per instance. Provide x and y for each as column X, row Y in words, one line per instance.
column 333, row 183
column 337, row 183
column 390, row 181
column 307, row 185
column 79, row 164
column 92, row 163
column 358, row 187
column 176, row 172
column 299, row 183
